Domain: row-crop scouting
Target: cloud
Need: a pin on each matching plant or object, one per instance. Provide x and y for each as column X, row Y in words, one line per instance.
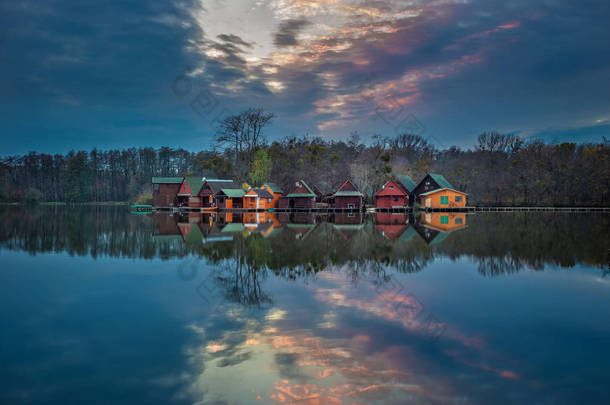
column 288, row 31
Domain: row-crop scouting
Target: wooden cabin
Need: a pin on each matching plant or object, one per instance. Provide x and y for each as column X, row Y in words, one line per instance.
column 348, row 197
column 164, row 190
column 229, row 198
column 301, row 197
column 188, row 194
column 275, row 191
column 258, row 198
column 443, row 198
column 211, row 187
column 431, row 182
column 393, row 195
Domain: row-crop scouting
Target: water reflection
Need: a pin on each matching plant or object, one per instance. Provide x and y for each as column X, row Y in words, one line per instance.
column 500, row 242
column 305, row 308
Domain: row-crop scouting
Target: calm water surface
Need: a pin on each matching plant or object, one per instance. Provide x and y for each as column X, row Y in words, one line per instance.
column 102, row 306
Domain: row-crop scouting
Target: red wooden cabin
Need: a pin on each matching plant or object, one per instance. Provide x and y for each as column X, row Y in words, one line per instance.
column 392, row 195
column 188, row 194
column 348, row 197
column 301, row 197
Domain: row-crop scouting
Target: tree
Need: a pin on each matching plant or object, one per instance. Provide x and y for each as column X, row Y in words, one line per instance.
column 261, row 167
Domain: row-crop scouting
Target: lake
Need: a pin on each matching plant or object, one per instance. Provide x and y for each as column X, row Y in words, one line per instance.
column 102, row 306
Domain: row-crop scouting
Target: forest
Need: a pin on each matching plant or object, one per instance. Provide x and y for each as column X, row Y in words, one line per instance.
column 499, row 169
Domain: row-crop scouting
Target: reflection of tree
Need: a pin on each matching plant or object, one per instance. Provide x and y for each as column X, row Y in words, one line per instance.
column 501, row 243
column 242, row 283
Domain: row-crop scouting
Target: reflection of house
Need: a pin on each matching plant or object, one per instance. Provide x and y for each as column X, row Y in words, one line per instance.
column 165, row 190
column 275, row 191
column 188, row 194
column 211, row 187
column 348, row 224
column 435, row 191
column 301, row 197
column 391, row 224
column 435, row 227
column 228, row 198
column 347, row 197
column 164, row 225
column 258, row 198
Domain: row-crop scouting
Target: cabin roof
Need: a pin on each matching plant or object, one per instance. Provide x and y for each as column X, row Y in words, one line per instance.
column 262, row 193
column 348, row 194
column 170, row 180
column 408, row 234
column 217, row 185
column 387, row 191
column 437, row 190
column 274, row 187
column 441, row 180
column 407, row 181
column 310, row 194
column 232, row 192
column 195, row 183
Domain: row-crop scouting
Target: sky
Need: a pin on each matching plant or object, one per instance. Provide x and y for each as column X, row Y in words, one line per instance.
column 119, row 74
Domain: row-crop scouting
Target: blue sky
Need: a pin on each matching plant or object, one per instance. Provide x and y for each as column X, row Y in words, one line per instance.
column 78, row 75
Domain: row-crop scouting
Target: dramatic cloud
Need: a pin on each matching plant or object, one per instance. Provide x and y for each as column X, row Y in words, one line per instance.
column 324, row 67
column 288, row 31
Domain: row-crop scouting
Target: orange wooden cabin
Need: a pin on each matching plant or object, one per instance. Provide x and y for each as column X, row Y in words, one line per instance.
column 275, row 191
column 443, row 198
column 258, row 198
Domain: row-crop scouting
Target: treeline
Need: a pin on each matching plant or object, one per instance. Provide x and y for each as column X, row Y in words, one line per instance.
column 499, row 169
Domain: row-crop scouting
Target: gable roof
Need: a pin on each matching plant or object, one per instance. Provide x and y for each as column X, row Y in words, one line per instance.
column 406, row 181
column 436, row 190
column 386, row 191
column 274, row 187
column 310, row 194
column 232, row 192
column 262, row 192
column 195, row 184
column 217, row 185
column 172, row 180
column 341, row 192
column 440, row 180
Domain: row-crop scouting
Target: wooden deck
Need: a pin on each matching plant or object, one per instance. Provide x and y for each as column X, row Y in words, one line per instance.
column 407, row 209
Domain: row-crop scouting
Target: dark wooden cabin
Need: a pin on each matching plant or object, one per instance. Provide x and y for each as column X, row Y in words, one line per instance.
column 301, row 197
column 229, row 198
column 431, row 182
column 211, row 187
column 165, row 190
column 348, row 197
column 393, row 195
column 188, row 194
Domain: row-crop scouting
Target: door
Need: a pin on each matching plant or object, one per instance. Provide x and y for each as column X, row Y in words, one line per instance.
column 428, row 202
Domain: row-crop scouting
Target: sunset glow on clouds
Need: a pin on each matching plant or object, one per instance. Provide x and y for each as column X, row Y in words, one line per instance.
column 323, row 67
column 329, row 358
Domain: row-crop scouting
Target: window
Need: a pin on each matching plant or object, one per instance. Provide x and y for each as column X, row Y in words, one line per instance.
column 395, row 199
column 444, row 219
column 391, row 186
column 458, row 221
column 458, row 198
column 444, row 200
